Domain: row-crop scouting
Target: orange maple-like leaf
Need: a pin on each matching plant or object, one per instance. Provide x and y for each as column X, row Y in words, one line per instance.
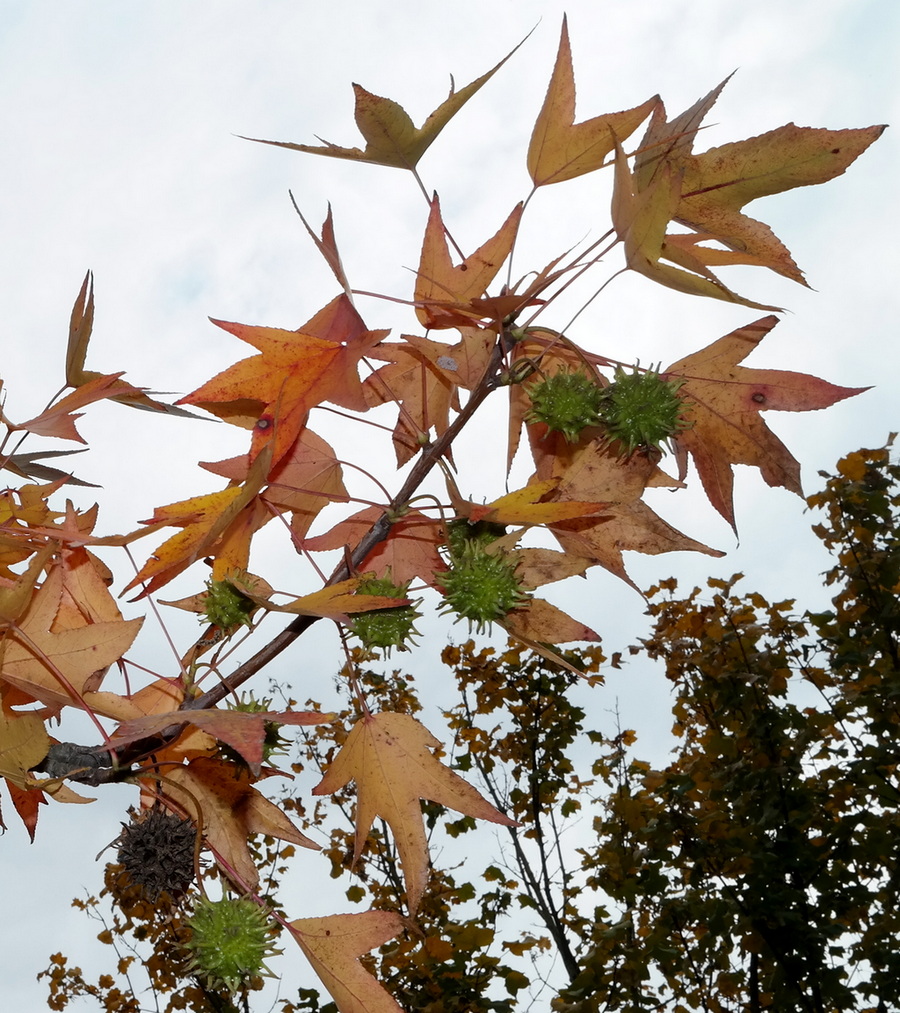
column 58, row 668
column 391, row 137
column 205, row 521
column 409, row 551
column 626, row 523
column 334, row 944
column 421, row 389
column 562, row 149
column 389, row 756
column 59, row 419
column 231, row 810
column 444, row 291
column 725, row 400
column 305, row 482
column 295, row 370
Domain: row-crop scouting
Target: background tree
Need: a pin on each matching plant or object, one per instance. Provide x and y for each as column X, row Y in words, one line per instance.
column 596, row 429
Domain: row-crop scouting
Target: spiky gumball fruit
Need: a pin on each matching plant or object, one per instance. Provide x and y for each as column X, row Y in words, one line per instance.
column 225, row 606
column 461, row 533
column 642, row 410
column 273, row 740
column 230, row 942
column 386, row 628
column 481, row 587
column 566, row 403
column 156, row 852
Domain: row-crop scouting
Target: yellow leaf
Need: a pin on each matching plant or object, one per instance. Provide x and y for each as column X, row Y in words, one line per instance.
column 333, row 945
column 391, row 137
column 562, row 149
column 389, row 756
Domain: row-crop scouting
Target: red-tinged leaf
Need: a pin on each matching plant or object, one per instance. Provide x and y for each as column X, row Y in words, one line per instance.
column 27, row 803
column 244, row 731
column 725, row 401
column 390, row 758
column 391, row 138
column 334, row 944
column 231, row 810
column 441, row 287
column 641, row 217
column 305, row 482
column 59, row 419
column 294, row 372
column 545, row 623
column 327, row 246
column 81, row 324
column 85, row 595
column 562, row 149
column 423, row 392
column 409, row 551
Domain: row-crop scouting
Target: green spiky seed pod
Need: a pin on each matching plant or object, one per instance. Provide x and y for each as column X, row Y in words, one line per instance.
column 566, row 403
column 642, row 410
column 387, row 628
column 230, row 941
column 462, row 533
column 273, row 741
column 482, row 587
column 225, row 606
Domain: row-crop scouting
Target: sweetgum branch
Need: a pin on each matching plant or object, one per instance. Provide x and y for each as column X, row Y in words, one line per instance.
column 95, row 765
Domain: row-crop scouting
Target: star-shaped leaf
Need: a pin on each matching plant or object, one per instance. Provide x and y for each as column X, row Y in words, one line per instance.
column 333, row 945
column 391, row 137
column 295, row 371
column 562, row 149
column 444, row 291
column 231, row 810
column 390, row 758
column 724, row 402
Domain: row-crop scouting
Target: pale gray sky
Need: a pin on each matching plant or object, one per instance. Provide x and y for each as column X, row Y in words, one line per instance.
column 119, row 154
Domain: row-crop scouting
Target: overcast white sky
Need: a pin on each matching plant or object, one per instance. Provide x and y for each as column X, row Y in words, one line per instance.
column 119, row 154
